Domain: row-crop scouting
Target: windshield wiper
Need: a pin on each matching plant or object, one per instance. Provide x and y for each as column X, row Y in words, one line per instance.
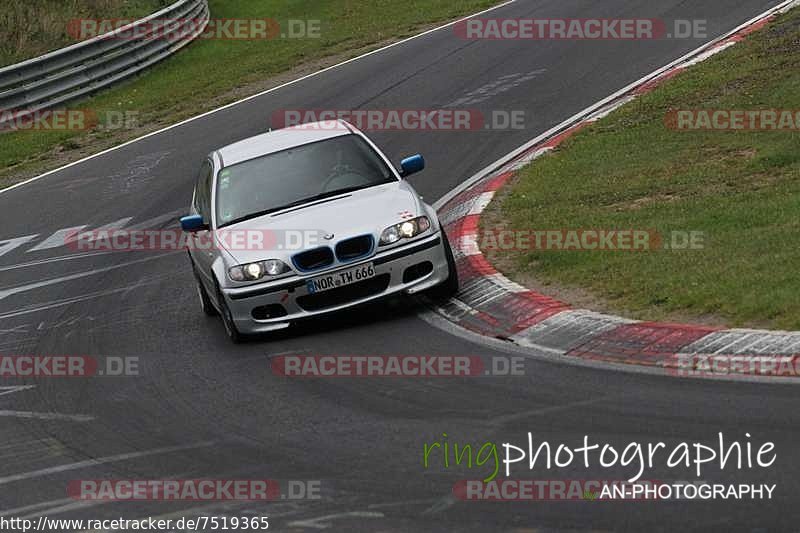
column 248, row 217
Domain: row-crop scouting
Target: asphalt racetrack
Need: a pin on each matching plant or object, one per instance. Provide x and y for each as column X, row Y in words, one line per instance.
column 204, row 408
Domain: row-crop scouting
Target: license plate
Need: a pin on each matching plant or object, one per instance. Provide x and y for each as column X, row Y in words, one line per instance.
column 340, row 279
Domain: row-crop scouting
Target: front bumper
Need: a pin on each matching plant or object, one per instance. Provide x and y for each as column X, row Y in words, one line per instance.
column 412, row 268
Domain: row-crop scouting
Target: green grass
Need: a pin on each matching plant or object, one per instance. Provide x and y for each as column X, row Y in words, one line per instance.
column 29, row 28
column 209, row 73
column 742, row 189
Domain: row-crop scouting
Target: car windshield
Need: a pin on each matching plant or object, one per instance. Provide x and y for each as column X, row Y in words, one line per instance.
column 296, row 176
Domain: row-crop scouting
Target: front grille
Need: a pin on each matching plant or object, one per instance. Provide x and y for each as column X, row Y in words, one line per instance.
column 342, row 295
column 355, row 248
column 313, row 259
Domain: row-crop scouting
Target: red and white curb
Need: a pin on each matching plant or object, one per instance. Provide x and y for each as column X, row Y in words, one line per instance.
column 492, row 305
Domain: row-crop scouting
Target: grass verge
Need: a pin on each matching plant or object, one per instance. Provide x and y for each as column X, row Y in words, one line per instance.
column 210, row 73
column 30, row 29
column 629, row 170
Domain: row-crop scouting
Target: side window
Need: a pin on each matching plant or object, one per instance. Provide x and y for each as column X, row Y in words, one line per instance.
column 202, row 194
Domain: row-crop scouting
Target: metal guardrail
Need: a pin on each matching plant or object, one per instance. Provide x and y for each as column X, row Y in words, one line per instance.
column 84, row 67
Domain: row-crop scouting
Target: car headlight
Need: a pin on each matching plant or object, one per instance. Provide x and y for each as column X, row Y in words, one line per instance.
column 256, row 271
column 405, row 230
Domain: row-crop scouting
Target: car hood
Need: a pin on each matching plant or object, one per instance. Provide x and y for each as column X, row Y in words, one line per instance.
column 367, row 211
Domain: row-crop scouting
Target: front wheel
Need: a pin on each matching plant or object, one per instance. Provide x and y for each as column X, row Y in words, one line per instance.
column 227, row 320
column 449, row 287
column 205, row 302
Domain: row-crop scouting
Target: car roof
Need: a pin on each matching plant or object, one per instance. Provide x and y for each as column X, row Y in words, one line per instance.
column 283, row 139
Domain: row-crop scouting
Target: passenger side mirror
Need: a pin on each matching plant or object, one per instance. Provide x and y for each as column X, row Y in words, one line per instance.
column 193, row 223
column 411, row 165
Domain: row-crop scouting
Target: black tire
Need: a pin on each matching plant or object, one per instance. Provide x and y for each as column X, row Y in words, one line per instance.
column 448, row 288
column 205, row 301
column 227, row 320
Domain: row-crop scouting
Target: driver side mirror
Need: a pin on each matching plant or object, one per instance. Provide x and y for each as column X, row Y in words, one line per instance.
column 193, row 223
column 411, row 165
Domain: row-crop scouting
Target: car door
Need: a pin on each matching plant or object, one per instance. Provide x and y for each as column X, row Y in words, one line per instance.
column 203, row 253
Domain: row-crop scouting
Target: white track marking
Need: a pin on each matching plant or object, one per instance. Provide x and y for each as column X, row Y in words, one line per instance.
column 101, row 461
column 46, row 416
column 494, row 88
column 92, row 236
column 14, row 388
column 5, row 293
column 67, row 301
column 441, row 505
column 23, row 328
column 273, row 89
column 9, row 244
column 52, row 260
column 402, row 503
column 119, row 224
column 155, row 222
column 55, row 507
column 73, row 505
column 57, row 239
column 34, row 506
